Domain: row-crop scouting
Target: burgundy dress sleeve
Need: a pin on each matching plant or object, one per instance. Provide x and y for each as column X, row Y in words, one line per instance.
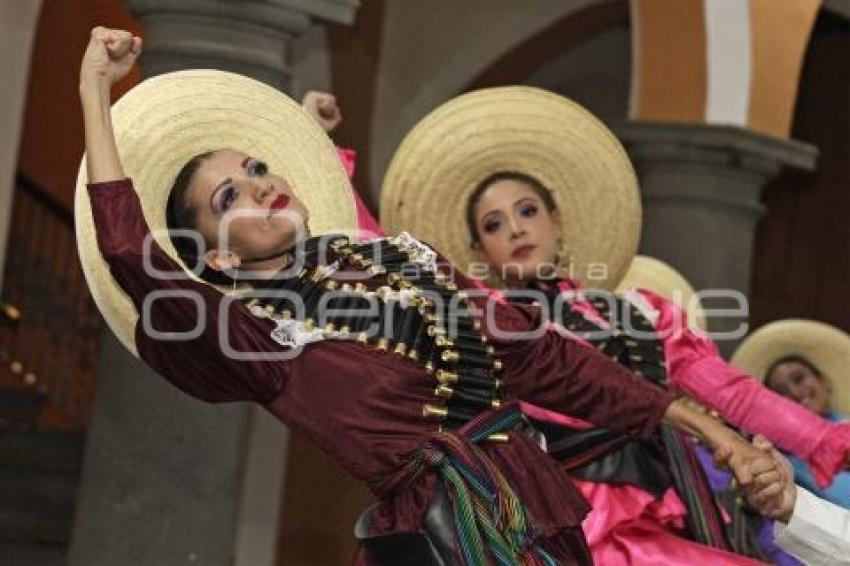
column 182, row 322
column 562, row 375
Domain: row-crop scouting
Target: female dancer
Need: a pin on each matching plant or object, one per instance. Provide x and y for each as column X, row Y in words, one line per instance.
column 805, row 361
column 492, row 150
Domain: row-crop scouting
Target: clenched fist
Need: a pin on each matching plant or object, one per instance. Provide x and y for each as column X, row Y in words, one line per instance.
column 322, row 106
column 109, row 56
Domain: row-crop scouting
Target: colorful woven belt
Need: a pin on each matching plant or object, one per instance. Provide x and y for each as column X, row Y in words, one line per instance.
column 491, row 522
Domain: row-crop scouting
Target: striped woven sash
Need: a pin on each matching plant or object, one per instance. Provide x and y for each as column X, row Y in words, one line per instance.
column 492, row 525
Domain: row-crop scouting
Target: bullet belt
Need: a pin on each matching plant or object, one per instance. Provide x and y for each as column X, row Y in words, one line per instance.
column 419, row 314
column 643, row 354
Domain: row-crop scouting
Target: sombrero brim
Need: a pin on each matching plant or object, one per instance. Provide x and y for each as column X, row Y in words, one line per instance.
column 654, row 275
column 164, row 121
column 825, row 346
column 439, row 163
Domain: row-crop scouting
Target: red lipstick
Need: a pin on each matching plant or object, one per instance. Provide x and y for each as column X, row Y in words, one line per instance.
column 279, row 203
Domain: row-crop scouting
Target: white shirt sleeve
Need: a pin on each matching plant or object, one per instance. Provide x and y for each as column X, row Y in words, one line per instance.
column 818, row 532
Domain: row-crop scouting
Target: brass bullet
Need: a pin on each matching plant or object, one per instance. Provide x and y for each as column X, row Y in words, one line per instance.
column 436, row 331
column 444, row 391
column 450, row 356
column 433, row 411
column 445, row 377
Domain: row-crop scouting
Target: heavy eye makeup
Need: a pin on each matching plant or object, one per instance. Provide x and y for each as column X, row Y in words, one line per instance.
column 224, row 197
column 226, row 193
column 527, row 208
column 256, row 168
column 529, row 211
column 491, row 224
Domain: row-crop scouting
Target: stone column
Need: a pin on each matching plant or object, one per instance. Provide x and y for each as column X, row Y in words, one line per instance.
column 249, row 37
column 169, row 480
column 18, row 23
column 701, row 191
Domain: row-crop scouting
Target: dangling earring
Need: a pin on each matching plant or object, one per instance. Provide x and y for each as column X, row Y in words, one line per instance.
column 559, row 246
column 563, row 259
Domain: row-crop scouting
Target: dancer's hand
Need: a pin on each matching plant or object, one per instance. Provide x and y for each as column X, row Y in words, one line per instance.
column 754, row 469
column 109, row 57
column 322, row 106
column 776, row 499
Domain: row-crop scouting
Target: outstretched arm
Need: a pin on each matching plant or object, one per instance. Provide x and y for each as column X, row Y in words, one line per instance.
column 754, row 469
column 561, row 375
column 695, row 367
column 108, row 58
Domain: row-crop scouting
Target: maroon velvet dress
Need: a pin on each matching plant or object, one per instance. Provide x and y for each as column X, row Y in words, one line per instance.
column 363, row 406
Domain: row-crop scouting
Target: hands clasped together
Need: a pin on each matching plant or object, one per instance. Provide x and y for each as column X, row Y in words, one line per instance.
column 765, row 476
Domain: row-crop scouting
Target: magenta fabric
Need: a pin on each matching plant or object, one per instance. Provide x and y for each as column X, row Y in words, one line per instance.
column 362, row 406
column 629, row 527
column 696, row 367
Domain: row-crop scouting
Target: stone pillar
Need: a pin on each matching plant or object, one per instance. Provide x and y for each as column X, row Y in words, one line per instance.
column 251, row 38
column 162, row 472
column 701, row 191
column 18, row 23
column 166, row 479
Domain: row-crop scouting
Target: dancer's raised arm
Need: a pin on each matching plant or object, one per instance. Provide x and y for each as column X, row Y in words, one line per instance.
column 108, row 58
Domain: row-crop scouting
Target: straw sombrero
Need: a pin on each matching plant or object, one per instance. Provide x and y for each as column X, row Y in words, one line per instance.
column 654, row 275
column 516, row 128
column 164, row 121
column 825, row 346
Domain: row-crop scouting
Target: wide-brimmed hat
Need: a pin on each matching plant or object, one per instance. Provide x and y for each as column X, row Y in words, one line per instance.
column 825, row 346
column 166, row 120
column 659, row 277
column 439, row 163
